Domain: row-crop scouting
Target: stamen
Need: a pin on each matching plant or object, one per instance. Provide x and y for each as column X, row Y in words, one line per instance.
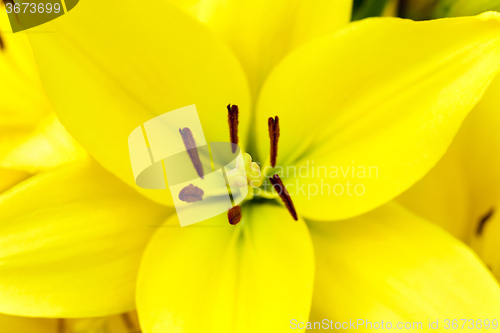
column 190, row 144
column 274, row 134
column 191, row 193
column 2, row 45
column 283, row 193
column 232, row 119
column 483, row 220
column 234, row 215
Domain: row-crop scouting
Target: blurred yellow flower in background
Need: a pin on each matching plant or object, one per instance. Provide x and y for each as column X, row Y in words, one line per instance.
column 126, row 323
column 31, row 137
column 462, row 192
column 385, row 92
column 432, row 9
column 452, row 8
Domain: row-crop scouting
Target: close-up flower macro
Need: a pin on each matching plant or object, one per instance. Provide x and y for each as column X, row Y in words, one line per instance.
column 199, row 166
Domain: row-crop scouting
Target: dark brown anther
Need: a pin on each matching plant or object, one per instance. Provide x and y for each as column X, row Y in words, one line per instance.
column 234, row 215
column 232, row 119
column 191, row 193
column 284, row 195
column 190, row 144
column 274, row 134
column 483, row 220
column 2, row 45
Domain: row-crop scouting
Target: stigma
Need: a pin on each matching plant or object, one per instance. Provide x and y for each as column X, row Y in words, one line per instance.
column 245, row 173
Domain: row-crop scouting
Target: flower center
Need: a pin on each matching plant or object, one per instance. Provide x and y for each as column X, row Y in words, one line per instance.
column 247, row 173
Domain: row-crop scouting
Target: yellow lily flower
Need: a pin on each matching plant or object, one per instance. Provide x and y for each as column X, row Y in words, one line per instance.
column 385, row 92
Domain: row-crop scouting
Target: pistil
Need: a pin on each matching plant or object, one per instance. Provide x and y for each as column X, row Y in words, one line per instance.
column 232, row 119
column 190, row 144
column 284, row 195
column 274, row 134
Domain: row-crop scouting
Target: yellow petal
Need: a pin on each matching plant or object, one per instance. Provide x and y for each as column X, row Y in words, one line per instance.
column 481, row 152
column 22, row 100
column 391, row 265
column 465, row 185
column 123, row 323
column 189, row 6
column 105, row 79
column 48, row 146
column 262, row 32
column 10, row 177
column 227, row 279
column 358, row 99
column 443, row 196
column 11, row 137
column 70, row 243
column 15, row 324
